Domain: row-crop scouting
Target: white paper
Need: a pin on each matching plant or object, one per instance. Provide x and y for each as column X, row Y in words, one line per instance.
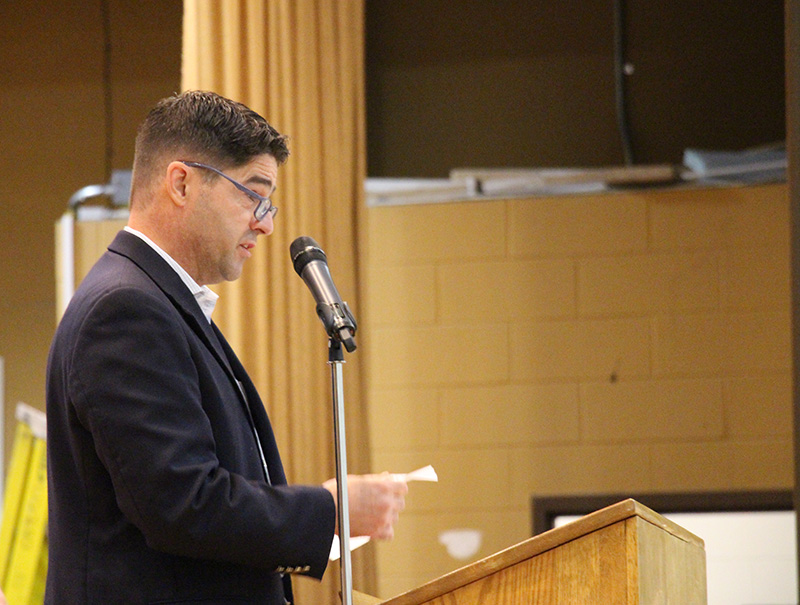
column 426, row 473
column 355, row 542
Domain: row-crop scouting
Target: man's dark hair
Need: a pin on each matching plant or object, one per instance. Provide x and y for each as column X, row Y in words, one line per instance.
column 203, row 127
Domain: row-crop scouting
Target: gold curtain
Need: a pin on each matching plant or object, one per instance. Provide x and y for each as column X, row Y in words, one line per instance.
column 299, row 63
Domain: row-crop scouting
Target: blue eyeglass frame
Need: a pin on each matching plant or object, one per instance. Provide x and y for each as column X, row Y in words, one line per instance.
column 264, row 206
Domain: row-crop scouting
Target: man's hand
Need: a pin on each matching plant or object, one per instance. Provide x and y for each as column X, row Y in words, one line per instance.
column 375, row 504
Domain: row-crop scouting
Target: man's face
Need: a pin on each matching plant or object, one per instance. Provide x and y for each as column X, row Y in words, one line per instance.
column 223, row 222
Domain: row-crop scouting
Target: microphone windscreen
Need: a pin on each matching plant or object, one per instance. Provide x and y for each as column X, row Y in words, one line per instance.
column 303, row 250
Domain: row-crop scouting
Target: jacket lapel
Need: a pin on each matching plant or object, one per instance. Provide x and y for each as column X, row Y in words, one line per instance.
column 149, row 261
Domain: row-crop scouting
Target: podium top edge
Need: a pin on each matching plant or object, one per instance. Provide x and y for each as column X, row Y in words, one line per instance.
column 659, row 520
column 610, row 515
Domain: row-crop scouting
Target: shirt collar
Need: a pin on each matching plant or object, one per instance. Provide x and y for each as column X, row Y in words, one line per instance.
column 205, row 297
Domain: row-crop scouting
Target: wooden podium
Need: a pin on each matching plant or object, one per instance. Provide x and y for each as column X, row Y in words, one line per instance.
column 623, row 554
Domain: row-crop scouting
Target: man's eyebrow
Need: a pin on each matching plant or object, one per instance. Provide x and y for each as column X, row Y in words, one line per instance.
column 260, row 180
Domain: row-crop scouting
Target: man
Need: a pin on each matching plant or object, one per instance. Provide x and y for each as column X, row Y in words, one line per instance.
column 165, row 482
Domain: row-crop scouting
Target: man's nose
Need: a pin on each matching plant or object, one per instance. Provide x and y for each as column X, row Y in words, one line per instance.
column 265, row 226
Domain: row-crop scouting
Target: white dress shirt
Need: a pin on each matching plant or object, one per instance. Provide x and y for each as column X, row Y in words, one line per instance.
column 205, row 296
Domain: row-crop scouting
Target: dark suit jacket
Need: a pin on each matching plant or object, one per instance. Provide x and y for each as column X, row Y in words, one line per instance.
column 157, row 493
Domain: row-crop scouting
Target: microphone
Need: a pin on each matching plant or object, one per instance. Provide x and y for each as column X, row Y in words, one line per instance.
column 311, row 264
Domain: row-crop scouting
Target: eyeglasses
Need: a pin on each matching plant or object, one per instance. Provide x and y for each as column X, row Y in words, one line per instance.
column 264, row 205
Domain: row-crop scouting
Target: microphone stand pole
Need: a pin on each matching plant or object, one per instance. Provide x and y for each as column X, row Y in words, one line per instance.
column 335, row 360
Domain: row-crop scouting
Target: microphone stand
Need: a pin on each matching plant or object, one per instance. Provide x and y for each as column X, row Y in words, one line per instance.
column 336, row 360
column 311, row 265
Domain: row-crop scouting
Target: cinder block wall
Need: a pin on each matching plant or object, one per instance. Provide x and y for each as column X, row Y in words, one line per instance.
column 623, row 342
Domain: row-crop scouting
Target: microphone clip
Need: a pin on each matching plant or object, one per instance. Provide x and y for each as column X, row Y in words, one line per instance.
column 339, row 323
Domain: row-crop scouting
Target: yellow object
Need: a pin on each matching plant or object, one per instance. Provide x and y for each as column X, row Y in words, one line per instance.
column 23, row 533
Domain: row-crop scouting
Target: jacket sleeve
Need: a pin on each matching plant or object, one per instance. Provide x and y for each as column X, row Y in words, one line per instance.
column 135, row 384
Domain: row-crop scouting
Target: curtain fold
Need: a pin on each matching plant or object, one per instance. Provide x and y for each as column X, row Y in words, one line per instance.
column 299, row 63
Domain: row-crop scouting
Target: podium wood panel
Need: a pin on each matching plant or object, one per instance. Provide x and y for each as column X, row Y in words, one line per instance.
column 625, row 553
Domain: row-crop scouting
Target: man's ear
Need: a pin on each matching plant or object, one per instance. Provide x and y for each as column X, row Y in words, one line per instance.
column 178, row 181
